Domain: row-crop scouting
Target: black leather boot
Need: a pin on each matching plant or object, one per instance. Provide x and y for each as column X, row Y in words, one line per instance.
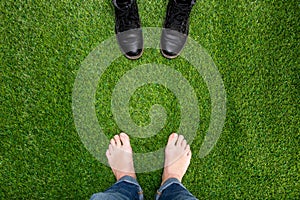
column 176, row 27
column 128, row 28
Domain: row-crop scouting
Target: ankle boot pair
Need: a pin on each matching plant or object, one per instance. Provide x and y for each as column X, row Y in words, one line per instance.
column 174, row 33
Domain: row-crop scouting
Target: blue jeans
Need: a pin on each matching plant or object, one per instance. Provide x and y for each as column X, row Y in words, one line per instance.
column 127, row 188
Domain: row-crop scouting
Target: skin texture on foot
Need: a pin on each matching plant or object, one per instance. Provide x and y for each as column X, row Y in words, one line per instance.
column 177, row 157
column 119, row 155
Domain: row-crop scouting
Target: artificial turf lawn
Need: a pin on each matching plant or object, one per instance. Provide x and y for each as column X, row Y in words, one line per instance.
column 255, row 45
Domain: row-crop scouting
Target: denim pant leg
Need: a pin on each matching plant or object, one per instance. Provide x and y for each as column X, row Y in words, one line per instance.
column 172, row 189
column 127, row 188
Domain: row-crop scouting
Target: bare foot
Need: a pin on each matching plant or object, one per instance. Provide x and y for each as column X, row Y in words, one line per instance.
column 119, row 155
column 177, row 157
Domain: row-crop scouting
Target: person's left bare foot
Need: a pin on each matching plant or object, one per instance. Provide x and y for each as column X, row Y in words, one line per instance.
column 119, row 155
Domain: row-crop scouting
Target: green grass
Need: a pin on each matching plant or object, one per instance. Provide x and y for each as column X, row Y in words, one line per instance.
column 255, row 45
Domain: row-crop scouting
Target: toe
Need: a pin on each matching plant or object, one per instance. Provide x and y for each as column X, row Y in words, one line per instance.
column 110, row 148
column 113, row 142
column 188, row 151
column 189, row 154
column 125, row 139
column 172, row 139
column 107, row 153
column 117, row 139
column 184, row 143
column 180, row 139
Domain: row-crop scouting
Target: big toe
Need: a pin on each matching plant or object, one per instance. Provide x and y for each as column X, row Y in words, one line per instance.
column 172, row 139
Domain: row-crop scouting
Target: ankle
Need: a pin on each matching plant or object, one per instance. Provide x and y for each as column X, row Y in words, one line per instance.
column 168, row 176
column 119, row 176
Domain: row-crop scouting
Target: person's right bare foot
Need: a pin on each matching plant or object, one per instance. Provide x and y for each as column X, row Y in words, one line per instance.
column 177, row 157
column 119, row 155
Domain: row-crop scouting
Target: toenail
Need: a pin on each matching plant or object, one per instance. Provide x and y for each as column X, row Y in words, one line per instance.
column 122, row 134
